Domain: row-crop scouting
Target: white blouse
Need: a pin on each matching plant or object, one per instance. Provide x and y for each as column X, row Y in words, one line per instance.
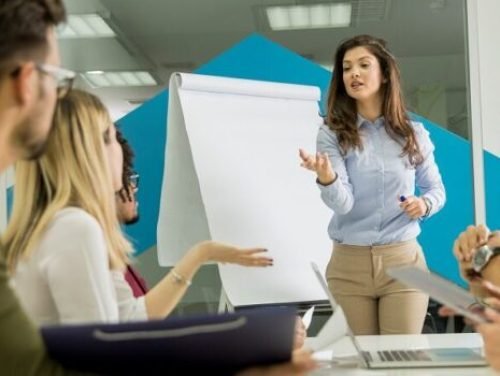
column 67, row 279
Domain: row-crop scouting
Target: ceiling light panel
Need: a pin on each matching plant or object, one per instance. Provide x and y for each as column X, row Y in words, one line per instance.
column 85, row 26
column 312, row 16
column 98, row 79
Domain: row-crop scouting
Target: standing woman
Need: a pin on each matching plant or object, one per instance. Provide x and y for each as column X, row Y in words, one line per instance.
column 369, row 159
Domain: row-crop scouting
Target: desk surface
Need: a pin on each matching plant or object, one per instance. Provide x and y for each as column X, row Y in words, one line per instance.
column 344, row 349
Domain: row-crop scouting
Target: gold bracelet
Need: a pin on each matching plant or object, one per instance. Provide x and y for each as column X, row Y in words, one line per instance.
column 178, row 279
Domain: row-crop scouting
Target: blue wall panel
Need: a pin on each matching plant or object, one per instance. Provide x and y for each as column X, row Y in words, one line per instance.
column 453, row 156
column 492, row 188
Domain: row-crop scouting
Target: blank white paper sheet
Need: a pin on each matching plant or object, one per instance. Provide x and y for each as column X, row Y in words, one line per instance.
column 232, row 174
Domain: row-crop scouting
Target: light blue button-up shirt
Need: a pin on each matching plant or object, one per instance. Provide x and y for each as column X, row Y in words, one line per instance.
column 365, row 196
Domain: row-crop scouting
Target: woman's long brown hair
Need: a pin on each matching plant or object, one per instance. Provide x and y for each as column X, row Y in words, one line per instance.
column 342, row 114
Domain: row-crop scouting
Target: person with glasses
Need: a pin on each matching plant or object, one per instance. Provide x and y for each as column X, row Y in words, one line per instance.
column 126, row 204
column 127, row 209
column 34, row 70
column 29, row 78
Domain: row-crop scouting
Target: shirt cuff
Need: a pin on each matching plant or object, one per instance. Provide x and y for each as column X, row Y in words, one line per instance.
column 429, row 206
column 326, row 185
column 330, row 189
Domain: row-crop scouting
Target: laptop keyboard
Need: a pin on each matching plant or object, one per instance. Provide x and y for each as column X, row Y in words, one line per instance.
column 402, row 355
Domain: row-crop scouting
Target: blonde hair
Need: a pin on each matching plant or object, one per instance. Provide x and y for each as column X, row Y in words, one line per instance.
column 73, row 171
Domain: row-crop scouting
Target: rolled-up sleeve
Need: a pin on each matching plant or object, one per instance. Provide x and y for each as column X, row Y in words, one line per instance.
column 428, row 178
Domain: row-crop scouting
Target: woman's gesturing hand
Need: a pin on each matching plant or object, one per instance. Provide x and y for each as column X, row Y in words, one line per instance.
column 319, row 163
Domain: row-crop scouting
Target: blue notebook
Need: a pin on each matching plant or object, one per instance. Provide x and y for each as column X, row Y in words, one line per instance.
column 220, row 343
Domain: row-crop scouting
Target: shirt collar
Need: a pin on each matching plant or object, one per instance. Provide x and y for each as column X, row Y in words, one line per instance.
column 378, row 121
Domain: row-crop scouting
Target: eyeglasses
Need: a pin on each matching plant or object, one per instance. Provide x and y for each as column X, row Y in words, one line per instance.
column 63, row 77
column 126, row 192
column 133, row 180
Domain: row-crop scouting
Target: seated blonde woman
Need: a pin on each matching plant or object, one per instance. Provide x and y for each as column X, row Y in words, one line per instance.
column 65, row 249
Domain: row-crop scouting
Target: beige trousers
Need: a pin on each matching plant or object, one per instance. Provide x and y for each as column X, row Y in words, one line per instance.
column 373, row 302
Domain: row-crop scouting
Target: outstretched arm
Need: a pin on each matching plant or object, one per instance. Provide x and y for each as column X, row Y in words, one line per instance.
column 163, row 298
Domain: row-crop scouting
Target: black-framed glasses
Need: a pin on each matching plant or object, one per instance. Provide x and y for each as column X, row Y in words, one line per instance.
column 64, row 77
column 126, row 192
column 133, row 180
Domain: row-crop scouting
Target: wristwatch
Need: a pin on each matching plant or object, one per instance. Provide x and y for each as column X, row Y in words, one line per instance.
column 483, row 256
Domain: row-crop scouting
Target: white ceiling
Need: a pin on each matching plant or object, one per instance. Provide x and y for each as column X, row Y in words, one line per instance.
column 163, row 36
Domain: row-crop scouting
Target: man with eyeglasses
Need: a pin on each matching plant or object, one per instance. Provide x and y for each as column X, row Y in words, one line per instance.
column 36, row 82
column 30, row 83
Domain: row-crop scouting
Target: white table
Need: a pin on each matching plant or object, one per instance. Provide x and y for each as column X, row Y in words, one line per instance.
column 345, row 350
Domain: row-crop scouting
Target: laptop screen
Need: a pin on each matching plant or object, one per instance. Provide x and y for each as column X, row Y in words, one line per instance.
column 324, row 286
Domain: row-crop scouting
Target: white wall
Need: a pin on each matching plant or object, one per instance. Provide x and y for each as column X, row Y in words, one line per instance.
column 487, row 19
column 484, row 78
column 441, row 80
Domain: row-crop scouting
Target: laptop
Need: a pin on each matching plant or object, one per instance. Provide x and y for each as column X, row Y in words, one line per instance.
column 404, row 358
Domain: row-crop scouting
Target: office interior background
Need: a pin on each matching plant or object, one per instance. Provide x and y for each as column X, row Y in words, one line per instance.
column 126, row 50
column 160, row 37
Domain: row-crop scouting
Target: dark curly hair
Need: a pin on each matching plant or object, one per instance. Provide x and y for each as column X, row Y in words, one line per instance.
column 128, row 164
